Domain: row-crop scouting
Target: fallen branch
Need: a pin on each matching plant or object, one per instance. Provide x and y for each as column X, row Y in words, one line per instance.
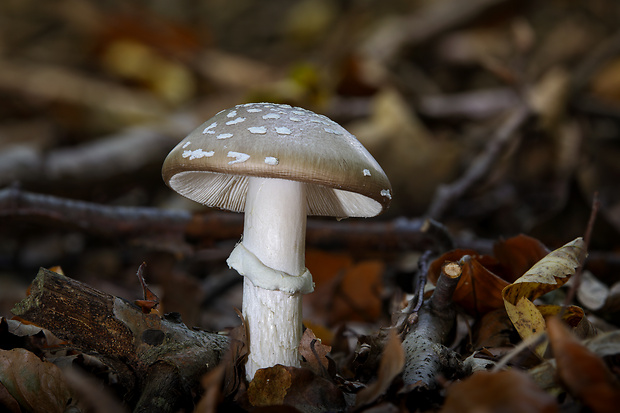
column 426, row 355
column 118, row 154
column 159, row 357
column 423, row 25
column 118, row 221
column 446, row 195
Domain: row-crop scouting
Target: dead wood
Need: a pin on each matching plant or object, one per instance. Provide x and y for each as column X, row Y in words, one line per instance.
column 423, row 25
column 446, row 195
column 157, row 357
column 126, row 151
column 426, row 355
column 119, row 221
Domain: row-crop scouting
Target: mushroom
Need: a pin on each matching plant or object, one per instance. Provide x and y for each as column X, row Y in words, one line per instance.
column 277, row 164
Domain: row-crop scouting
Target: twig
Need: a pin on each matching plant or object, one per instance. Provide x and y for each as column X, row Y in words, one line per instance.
column 160, row 356
column 469, row 105
column 121, row 221
column 103, row 219
column 423, row 265
column 423, row 25
column 405, row 317
column 528, row 343
column 425, row 353
column 606, row 50
column 446, row 195
column 57, row 83
column 440, row 234
column 586, row 238
column 121, row 153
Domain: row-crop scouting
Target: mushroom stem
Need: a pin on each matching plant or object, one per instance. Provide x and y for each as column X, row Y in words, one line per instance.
column 275, row 232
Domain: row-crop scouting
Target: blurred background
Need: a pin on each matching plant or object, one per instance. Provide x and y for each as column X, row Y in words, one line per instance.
column 494, row 117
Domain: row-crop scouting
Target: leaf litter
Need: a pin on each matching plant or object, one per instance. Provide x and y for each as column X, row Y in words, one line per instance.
column 517, row 111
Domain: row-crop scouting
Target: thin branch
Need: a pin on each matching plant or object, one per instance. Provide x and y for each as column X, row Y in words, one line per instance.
column 425, row 352
column 121, row 221
column 446, row 195
column 587, row 237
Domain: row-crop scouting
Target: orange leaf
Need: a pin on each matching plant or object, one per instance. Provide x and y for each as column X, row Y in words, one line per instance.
column 508, row 391
column 584, row 373
column 479, row 290
column 518, row 254
column 150, row 299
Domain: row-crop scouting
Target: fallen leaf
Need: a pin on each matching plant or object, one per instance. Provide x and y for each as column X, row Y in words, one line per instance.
column 518, row 254
column 546, row 275
column 391, row 365
column 583, row 372
column 510, row 391
column 479, row 288
column 315, row 352
column 297, row 387
column 150, row 301
column 320, row 331
column 38, row 386
column 7, row 401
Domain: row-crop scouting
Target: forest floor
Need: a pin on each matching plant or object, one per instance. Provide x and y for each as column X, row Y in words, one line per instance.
column 490, row 284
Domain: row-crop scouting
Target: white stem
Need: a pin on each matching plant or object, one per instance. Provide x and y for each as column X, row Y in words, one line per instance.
column 275, row 232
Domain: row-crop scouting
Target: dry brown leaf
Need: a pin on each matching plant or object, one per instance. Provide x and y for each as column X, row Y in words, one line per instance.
column 151, row 301
column 296, row 387
column 391, row 365
column 492, row 331
column 508, row 391
column 518, row 254
column 7, row 401
column 343, row 290
column 315, row 352
column 548, row 274
column 359, row 294
column 584, row 373
column 37, row 385
column 479, row 288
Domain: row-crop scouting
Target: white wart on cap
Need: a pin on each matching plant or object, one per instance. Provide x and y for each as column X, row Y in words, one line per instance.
column 212, row 164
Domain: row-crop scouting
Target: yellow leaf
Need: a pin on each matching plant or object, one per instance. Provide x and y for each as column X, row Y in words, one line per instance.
column 527, row 320
column 546, row 275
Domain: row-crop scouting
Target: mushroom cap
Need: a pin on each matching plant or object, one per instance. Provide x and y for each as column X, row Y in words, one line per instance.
column 212, row 164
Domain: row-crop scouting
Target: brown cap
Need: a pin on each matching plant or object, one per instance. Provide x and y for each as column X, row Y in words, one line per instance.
column 212, row 164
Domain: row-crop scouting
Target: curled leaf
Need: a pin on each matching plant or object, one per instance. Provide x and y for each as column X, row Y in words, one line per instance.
column 546, row 275
column 583, row 372
column 314, row 352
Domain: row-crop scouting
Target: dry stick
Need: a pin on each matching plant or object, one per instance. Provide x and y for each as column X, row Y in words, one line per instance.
column 597, row 57
column 407, row 316
column 426, row 356
column 423, row 25
column 108, row 220
column 446, row 195
column 118, row 221
column 586, row 238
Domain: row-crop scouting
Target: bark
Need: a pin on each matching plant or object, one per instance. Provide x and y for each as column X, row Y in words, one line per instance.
column 426, row 355
column 157, row 357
